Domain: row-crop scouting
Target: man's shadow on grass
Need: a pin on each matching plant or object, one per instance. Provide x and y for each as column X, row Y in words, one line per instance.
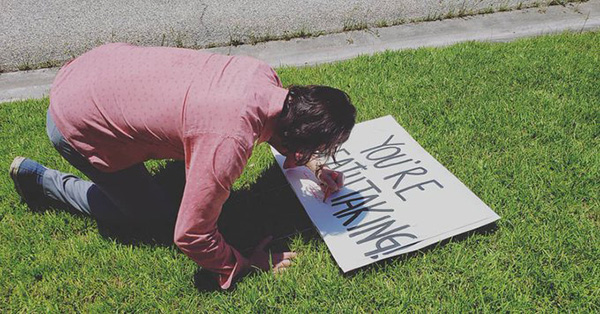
column 268, row 207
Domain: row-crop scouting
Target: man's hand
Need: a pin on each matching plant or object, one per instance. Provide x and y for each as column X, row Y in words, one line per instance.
column 264, row 260
column 331, row 181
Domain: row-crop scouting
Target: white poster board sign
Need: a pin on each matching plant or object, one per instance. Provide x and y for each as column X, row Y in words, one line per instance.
column 397, row 198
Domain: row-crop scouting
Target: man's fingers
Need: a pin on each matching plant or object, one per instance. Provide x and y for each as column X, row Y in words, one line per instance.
column 278, row 257
column 329, row 182
column 279, row 270
column 284, row 263
column 327, row 193
column 339, row 180
column 329, row 186
column 289, row 255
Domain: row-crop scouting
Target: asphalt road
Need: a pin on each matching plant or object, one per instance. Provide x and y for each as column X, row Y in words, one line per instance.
column 33, row 32
column 503, row 26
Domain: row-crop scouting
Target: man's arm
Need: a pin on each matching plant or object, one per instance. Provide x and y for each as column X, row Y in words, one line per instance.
column 212, row 162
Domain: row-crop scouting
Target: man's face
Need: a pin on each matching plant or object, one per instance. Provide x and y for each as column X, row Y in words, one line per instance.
column 292, row 158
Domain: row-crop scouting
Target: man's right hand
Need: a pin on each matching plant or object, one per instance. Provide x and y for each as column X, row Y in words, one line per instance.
column 265, row 260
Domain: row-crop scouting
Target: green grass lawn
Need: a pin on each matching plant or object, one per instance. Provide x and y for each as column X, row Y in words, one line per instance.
column 518, row 123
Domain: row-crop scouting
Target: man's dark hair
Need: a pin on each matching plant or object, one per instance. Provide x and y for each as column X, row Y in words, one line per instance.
column 315, row 119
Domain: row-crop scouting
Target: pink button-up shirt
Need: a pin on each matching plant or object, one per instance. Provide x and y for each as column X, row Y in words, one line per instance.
column 119, row 105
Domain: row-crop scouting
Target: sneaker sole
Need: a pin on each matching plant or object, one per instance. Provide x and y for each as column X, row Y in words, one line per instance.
column 14, row 171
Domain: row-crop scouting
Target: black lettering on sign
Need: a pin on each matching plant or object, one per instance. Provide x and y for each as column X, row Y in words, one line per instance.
column 357, row 166
column 356, row 211
column 378, row 231
column 347, row 184
column 389, row 243
column 364, row 198
column 386, row 239
column 385, row 153
column 354, row 203
column 385, row 144
column 381, row 234
column 340, row 163
column 418, row 171
column 368, row 223
column 418, row 185
column 371, row 186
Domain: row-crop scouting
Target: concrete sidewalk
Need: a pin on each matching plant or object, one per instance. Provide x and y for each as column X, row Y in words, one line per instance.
column 504, row 26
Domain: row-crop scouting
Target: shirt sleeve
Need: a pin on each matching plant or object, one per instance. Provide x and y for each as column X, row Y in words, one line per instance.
column 213, row 163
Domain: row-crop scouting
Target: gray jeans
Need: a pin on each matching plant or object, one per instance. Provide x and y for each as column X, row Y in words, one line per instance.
column 129, row 199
